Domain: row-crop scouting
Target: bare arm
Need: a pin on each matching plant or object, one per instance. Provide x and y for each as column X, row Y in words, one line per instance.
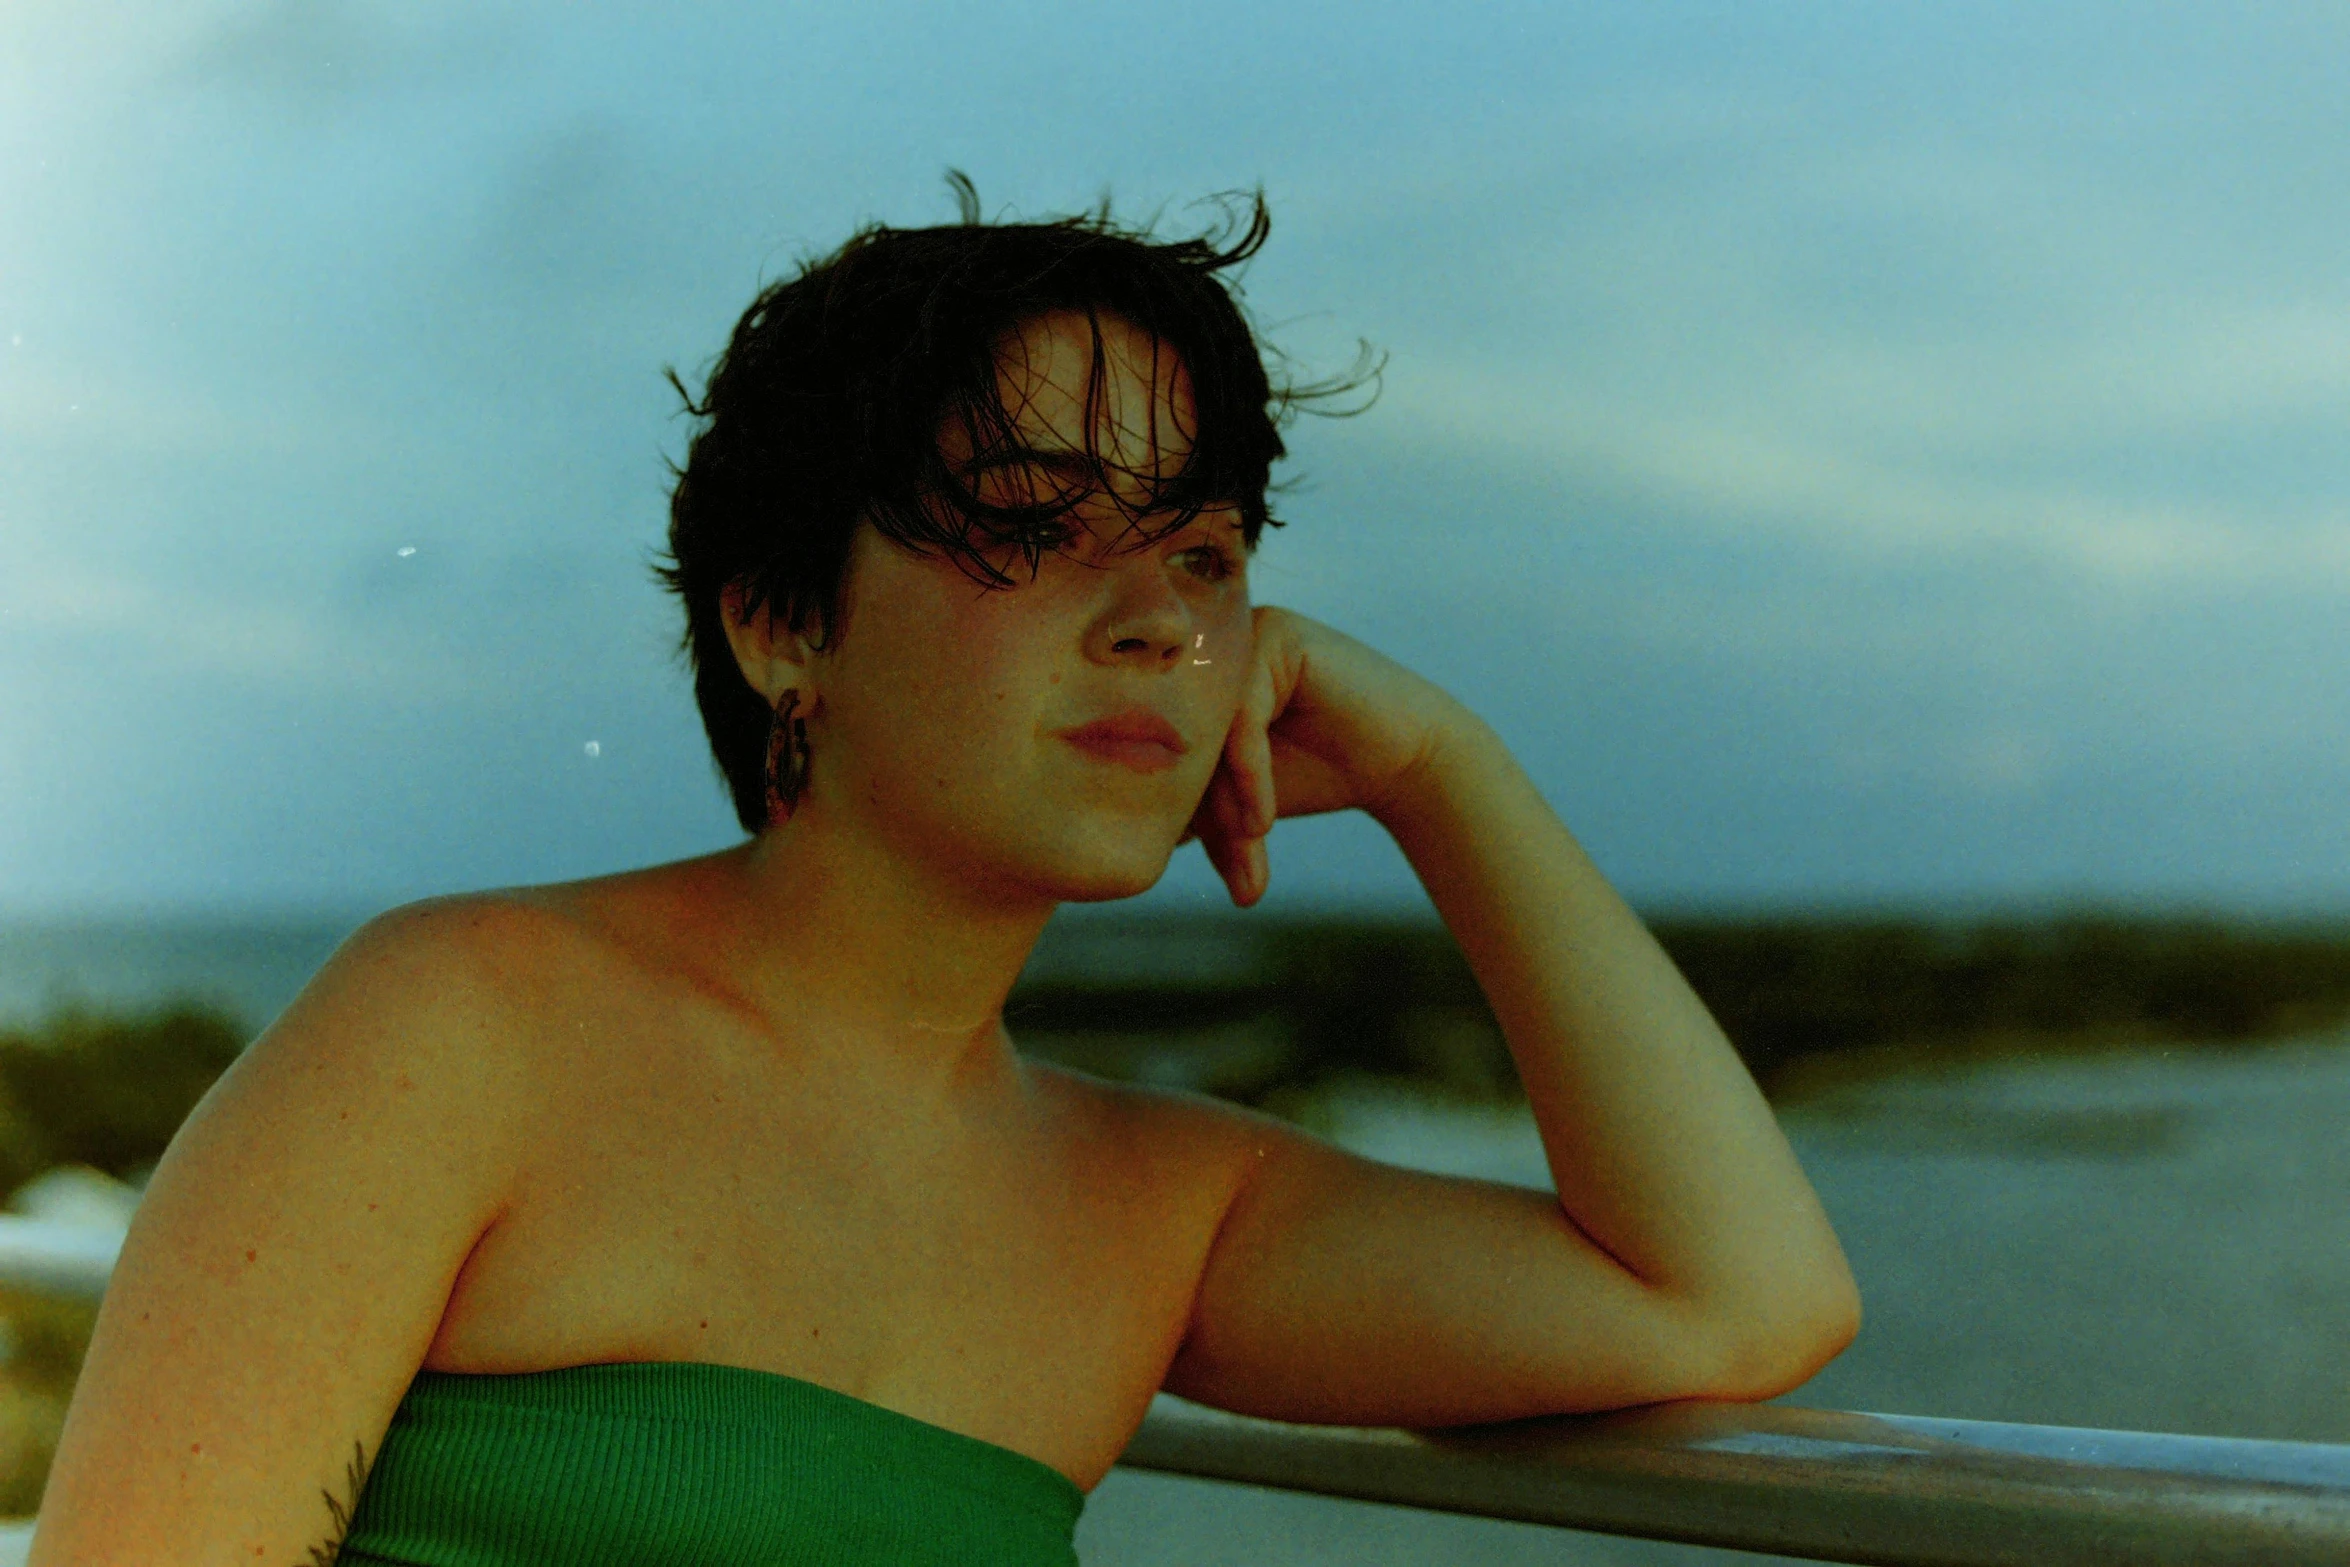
column 1663, row 1149
column 289, row 1264
column 1685, row 1254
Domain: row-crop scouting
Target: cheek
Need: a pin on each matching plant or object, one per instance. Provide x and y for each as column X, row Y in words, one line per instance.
column 921, row 678
column 990, row 671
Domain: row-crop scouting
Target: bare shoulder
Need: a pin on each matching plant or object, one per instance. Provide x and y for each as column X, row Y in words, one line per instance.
column 419, row 1019
column 441, row 975
column 482, row 946
column 1209, row 1147
column 291, row 1259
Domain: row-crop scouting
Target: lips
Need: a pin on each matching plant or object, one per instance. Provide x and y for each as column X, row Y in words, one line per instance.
column 1137, row 737
column 1135, row 723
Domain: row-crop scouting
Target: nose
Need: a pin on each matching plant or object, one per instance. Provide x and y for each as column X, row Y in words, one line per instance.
column 1146, row 620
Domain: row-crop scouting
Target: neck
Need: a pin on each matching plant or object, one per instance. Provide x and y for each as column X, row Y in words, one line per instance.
column 849, row 933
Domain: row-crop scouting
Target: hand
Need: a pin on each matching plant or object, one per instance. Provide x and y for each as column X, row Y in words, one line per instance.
column 1325, row 724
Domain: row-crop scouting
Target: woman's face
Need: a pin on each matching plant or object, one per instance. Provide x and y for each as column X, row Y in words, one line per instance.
column 941, row 705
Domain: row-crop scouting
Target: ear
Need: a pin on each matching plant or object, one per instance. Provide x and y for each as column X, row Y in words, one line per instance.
column 772, row 658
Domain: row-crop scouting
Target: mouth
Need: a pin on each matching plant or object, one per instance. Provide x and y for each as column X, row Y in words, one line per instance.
column 1136, row 738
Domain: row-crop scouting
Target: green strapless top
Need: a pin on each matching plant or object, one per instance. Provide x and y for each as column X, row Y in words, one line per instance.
column 650, row 1463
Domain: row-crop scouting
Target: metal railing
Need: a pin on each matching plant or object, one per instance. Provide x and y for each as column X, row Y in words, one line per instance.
column 1901, row 1490
column 1898, row 1490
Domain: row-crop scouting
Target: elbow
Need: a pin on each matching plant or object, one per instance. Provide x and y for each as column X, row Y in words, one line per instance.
column 1777, row 1345
column 1826, row 1333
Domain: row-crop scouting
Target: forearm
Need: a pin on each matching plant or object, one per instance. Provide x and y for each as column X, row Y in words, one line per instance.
column 1662, row 1148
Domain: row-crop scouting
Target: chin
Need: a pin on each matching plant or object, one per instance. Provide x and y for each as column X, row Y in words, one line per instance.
column 1112, row 876
column 1104, row 890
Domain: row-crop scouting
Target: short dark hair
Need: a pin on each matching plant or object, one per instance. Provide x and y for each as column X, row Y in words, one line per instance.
column 823, row 413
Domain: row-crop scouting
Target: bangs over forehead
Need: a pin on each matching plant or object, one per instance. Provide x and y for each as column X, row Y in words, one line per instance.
column 951, row 425
column 1074, row 433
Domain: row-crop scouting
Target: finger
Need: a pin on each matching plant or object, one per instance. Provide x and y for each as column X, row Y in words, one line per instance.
column 1230, row 863
column 1211, row 821
column 1233, row 812
column 1214, row 809
column 1248, row 761
column 1257, row 873
column 1263, row 809
column 1237, row 855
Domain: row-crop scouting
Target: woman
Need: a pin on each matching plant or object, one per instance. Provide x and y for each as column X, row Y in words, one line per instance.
column 705, row 1212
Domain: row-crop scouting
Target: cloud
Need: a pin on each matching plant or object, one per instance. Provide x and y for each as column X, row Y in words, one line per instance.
column 60, row 613
column 1754, row 465
column 316, row 52
column 1661, row 362
column 2125, row 353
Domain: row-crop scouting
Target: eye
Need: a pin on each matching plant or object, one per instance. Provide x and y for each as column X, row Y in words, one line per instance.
column 1045, row 540
column 1221, row 563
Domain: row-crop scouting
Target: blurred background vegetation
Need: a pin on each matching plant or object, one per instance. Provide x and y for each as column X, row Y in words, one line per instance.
column 1274, row 1013
column 86, row 1092
column 1808, row 1001
column 106, row 1091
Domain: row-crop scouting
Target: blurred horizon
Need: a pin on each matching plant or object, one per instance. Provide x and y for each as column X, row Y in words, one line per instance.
column 1858, row 457
column 1947, row 909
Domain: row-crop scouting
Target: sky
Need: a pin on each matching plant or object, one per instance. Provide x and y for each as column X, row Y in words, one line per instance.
column 1854, row 454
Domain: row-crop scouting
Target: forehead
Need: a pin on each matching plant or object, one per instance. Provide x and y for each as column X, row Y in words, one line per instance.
column 1065, row 386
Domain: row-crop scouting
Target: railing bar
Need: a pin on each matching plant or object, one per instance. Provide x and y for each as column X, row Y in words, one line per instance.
column 1901, row 1491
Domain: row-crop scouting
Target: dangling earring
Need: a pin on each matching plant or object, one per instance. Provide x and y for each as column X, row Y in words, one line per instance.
column 787, row 759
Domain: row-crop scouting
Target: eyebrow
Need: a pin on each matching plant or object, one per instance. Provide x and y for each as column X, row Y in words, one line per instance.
column 1057, row 460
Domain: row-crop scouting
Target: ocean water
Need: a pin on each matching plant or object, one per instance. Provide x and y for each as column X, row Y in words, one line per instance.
column 2153, row 1242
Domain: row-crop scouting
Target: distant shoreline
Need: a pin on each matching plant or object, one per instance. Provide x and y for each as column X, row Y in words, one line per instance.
column 1263, row 1007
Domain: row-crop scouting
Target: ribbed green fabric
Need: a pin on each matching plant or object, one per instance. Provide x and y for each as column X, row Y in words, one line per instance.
column 652, row 1463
